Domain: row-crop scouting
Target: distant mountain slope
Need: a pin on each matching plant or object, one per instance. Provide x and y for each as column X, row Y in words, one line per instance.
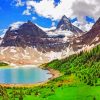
column 93, row 35
column 89, row 39
column 66, row 28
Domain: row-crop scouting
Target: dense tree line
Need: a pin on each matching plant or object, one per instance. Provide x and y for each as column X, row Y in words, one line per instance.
column 3, row 64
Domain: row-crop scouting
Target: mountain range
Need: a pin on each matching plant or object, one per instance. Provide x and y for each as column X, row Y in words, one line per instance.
column 28, row 44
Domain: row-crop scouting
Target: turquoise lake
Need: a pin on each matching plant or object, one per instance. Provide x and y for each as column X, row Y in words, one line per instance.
column 23, row 75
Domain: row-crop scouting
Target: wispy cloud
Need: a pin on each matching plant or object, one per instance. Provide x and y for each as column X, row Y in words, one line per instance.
column 85, row 8
column 47, row 8
column 26, row 12
column 34, row 18
column 18, row 3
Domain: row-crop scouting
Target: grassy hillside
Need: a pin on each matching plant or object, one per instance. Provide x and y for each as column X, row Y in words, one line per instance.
column 85, row 65
column 80, row 80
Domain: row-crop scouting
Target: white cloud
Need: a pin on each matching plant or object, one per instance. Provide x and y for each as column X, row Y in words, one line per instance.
column 85, row 27
column 18, row 2
column 26, row 12
column 70, row 8
column 86, row 8
column 33, row 18
column 46, row 8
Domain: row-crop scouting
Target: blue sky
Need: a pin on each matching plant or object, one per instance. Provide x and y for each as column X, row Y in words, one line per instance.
column 12, row 11
column 10, row 14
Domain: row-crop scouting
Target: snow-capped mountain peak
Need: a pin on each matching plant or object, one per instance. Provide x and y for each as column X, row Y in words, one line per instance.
column 65, row 19
column 16, row 25
column 65, row 24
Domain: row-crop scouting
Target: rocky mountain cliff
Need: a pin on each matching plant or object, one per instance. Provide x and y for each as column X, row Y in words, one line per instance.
column 28, row 44
column 66, row 28
column 27, row 34
column 65, row 24
column 88, row 40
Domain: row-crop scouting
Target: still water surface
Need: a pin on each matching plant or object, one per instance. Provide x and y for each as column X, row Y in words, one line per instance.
column 23, row 75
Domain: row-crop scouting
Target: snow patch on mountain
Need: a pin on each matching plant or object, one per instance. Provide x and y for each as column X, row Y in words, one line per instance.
column 45, row 28
column 12, row 50
column 3, row 50
column 97, row 38
column 83, row 27
column 88, row 26
column 16, row 25
column 2, row 34
column 65, row 33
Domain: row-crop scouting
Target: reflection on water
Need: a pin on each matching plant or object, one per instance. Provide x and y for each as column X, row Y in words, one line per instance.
column 23, row 75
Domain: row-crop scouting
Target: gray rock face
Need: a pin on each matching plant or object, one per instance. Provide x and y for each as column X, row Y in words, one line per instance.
column 65, row 24
column 27, row 34
column 91, row 38
column 30, row 35
column 29, row 44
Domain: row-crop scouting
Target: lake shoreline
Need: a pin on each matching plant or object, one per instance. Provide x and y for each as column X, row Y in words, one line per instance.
column 54, row 73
